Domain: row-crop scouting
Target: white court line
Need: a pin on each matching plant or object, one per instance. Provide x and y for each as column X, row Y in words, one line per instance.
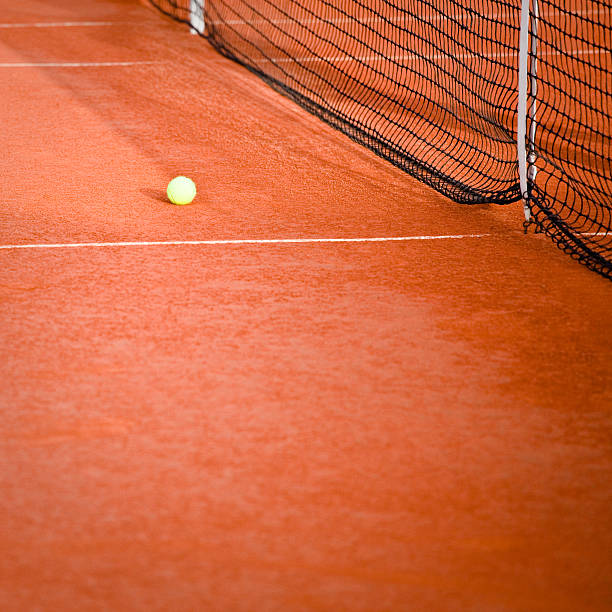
column 72, row 64
column 459, row 17
column 341, row 20
column 414, row 57
column 59, row 24
column 74, row 245
column 337, row 59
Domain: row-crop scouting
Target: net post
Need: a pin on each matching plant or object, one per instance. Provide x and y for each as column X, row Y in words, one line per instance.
column 196, row 16
column 521, row 127
column 533, row 123
column 526, row 91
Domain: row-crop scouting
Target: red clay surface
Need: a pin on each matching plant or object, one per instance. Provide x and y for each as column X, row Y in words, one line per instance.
column 418, row 425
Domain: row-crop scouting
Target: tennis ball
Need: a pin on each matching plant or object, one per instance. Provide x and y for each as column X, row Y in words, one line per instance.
column 181, row 190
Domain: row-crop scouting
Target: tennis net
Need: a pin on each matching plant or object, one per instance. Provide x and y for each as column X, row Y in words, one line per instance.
column 570, row 189
column 434, row 86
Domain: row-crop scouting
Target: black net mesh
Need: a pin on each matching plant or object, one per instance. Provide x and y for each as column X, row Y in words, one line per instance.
column 432, row 86
column 571, row 196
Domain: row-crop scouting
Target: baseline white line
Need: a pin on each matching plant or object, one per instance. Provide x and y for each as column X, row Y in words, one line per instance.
column 73, row 245
column 72, row 64
column 459, row 17
column 59, row 24
column 413, row 57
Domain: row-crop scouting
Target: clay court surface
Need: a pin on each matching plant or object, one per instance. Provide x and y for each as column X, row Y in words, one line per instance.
column 211, row 408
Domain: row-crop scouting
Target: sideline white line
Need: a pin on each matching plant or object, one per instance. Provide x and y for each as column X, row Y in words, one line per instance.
column 59, row 24
column 72, row 64
column 73, row 245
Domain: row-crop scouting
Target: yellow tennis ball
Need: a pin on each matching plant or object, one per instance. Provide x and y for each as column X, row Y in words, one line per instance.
column 181, row 190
